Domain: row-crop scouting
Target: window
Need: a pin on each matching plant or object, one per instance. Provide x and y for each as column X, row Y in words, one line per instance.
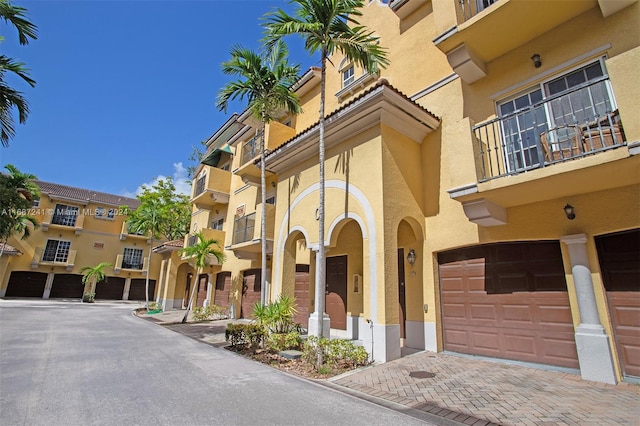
column 64, row 215
column 271, row 200
column 217, row 224
column 56, row 251
column 132, row 258
column 348, row 76
column 111, row 213
column 36, row 203
column 575, row 98
column 100, row 212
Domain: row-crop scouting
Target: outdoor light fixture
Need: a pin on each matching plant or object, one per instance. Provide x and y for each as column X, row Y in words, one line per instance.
column 537, row 62
column 411, row 257
column 568, row 210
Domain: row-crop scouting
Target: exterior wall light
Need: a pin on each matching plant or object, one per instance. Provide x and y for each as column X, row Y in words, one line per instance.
column 411, row 257
column 537, row 62
column 569, row 211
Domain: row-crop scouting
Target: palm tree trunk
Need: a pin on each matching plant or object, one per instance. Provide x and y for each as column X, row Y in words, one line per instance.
column 193, row 292
column 146, row 284
column 263, row 219
column 321, row 258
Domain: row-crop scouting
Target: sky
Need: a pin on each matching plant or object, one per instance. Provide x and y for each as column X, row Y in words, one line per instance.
column 127, row 88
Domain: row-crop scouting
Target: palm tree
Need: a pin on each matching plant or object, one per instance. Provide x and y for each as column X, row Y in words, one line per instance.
column 94, row 275
column 266, row 81
column 200, row 253
column 146, row 220
column 23, row 225
column 325, row 27
column 23, row 183
column 10, row 97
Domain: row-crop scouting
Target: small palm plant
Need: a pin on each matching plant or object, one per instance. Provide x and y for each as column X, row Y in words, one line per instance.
column 277, row 317
column 92, row 275
column 200, row 253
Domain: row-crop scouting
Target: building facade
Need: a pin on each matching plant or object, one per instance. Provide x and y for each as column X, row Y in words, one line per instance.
column 482, row 191
column 78, row 228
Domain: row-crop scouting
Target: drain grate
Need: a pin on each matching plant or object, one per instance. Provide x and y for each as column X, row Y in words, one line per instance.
column 422, row 374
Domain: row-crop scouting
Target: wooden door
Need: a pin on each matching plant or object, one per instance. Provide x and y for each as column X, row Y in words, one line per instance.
column 336, row 293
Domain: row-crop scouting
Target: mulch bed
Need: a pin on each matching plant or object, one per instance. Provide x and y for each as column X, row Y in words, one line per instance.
column 299, row 367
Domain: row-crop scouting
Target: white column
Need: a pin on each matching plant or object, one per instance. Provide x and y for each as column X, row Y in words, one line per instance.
column 161, row 279
column 207, row 301
column 314, row 318
column 127, row 287
column 48, row 284
column 592, row 341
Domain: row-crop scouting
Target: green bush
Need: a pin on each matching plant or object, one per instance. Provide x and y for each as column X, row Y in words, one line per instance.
column 277, row 342
column 245, row 335
column 211, row 312
column 336, row 352
column 89, row 297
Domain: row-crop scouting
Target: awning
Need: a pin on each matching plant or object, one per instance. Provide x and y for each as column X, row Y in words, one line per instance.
column 214, row 157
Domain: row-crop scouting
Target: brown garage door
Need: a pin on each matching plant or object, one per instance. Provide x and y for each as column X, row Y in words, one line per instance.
column 301, row 293
column 136, row 290
column 26, row 284
column 67, row 286
column 508, row 301
column 112, row 289
column 619, row 256
column 203, row 285
column 250, row 292
column 223, row 288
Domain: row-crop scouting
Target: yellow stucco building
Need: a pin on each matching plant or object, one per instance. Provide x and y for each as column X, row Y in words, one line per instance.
column 77, row 228
column 482, row 191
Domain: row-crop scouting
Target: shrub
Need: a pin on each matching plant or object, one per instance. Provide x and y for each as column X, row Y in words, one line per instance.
column 277, row 342
column 211, row 312
column 89, row 297
column 337, row 352
column 245, row 335
column 277, row 317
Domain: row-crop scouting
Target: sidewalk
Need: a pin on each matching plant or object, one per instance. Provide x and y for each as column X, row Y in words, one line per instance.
column 451, row 389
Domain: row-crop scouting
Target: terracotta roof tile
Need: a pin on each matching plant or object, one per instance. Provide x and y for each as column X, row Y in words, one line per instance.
column 8, row 250
column 85, row 195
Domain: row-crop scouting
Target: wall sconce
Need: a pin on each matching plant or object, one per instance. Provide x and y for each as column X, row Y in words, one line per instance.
column 537, row 62
column 570, row 212
column 411, row 257
column 273, row 184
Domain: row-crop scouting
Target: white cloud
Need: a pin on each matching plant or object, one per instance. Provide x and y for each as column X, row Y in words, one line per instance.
column 180, row 179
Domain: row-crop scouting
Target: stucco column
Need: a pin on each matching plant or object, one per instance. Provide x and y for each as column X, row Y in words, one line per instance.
column 207, row 301
column 48, row 285
column 127, row 287
column 161, row 280
column 592, row 342
column 319, row 306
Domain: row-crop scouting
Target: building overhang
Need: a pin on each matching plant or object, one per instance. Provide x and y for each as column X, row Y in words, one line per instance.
column 486, row 203
column 251, row 249
column 380, row 105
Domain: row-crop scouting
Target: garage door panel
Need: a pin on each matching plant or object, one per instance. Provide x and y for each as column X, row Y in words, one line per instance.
column 455, row 310
column 519, row 344
column 483, row 312
column 516, row 313
column 26, row 284
column 486, row 340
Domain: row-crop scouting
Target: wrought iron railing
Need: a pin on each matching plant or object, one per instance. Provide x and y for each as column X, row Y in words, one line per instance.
column 573, row 124
column 470, row 8
column 250, row 150
column 200, row 183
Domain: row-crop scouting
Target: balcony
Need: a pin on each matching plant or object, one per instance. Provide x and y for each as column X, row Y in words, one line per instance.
column 484, row 30
column 212, row 188
column 67, row 262
column 124, row 233
column 63, row 222
column 124, row 265
column 547, row 151
column 246, row 242
column 557, row 129
column 276, row 135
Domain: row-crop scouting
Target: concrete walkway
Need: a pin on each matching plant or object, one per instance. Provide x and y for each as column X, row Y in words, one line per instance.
column 467, row 390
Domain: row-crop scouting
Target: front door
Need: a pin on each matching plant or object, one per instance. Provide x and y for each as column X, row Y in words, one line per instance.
column 336, row 300
column 401, row 294
column 203, row 282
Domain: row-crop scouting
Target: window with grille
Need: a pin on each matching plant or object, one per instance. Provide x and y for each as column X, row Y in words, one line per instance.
column 132, row 258
column 64, row 215
column 56, row 251
column 217, row 224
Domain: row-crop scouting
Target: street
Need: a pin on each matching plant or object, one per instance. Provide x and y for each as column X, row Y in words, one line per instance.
column 66, row 363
